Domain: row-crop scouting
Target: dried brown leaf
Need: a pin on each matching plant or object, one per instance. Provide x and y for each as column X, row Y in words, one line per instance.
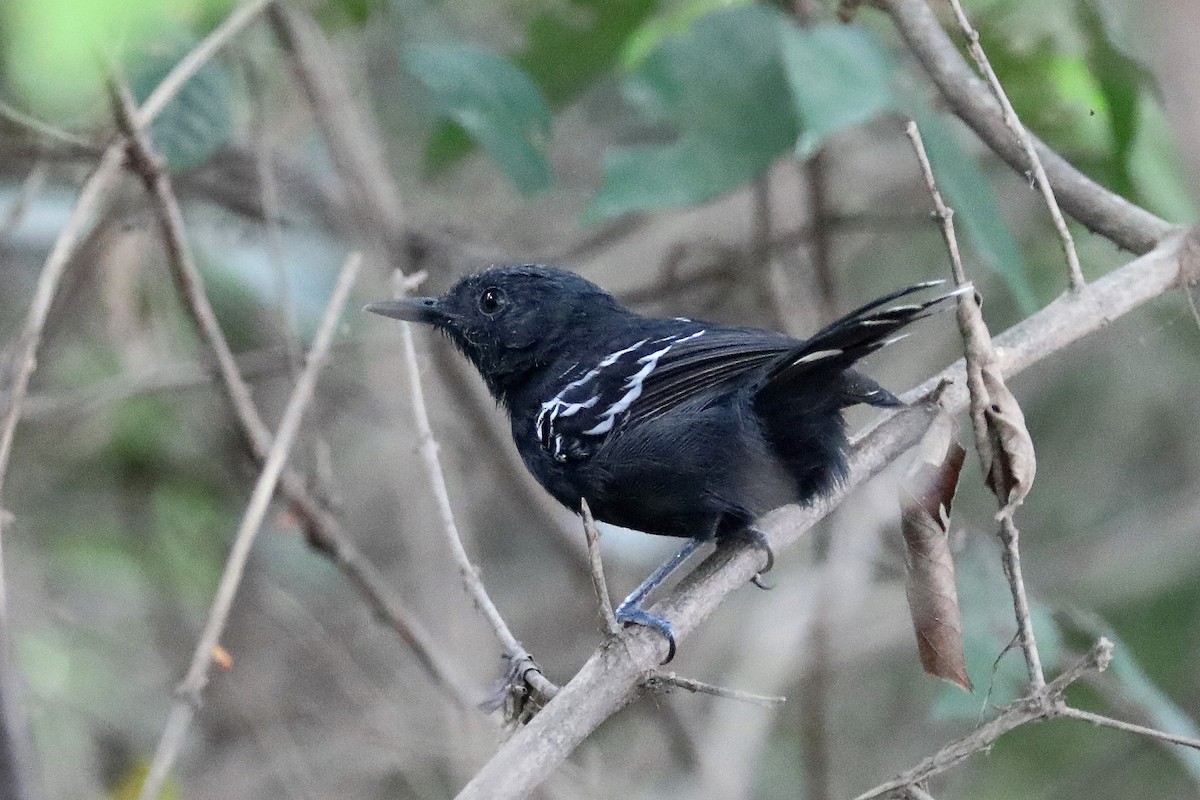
column 1004, row 444
column 926, row 500
column 1012, row 464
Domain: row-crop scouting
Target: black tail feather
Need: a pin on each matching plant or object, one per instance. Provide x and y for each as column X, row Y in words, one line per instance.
column 840, row 344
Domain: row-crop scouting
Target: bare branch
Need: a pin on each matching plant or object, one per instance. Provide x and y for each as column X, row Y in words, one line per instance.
column 322, row 529
column 663, row 681
column 354, row 148
column 1001, row 438
column 92, row 200
column 603, row 600
column 199, row 55
column 1075, row 273
column 609, row 679
column 524, row 668
column 22, row 120
column 16, row 212
column 193, row 684
column 1121, row 725
column 1046, row 703
column 1100, row 210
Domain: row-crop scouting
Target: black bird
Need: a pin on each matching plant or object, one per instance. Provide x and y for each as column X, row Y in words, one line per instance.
column 668, row 426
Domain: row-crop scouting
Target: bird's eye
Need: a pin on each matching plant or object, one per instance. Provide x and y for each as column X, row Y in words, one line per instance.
column 492, row 300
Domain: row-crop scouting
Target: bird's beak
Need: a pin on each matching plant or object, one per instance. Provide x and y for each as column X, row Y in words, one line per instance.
column 415, row 309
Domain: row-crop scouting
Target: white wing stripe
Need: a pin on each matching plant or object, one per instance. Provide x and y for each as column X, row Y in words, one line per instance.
column 558, row 407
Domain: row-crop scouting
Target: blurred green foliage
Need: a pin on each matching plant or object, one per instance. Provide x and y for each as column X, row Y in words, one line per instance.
column 55, row 51
column 714, row 92
column 494, row 102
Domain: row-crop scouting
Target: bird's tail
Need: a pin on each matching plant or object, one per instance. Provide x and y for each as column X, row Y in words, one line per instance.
column 840, row 344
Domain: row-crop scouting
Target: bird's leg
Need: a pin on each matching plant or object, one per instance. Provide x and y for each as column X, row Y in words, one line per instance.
column 760, row 540
column 631, row 612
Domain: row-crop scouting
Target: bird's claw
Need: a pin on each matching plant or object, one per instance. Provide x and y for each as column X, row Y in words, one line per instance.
column 635, row 615
column 760, row 540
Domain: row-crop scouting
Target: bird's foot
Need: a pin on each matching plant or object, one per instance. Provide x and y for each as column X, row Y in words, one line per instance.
column 759, row 539
column 628, row 614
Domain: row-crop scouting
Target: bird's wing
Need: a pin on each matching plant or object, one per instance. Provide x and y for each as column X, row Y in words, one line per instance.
column 647, row 377
column 706, row 362
column 682, row 360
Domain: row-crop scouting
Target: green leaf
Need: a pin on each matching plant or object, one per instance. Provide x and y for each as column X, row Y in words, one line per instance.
column 198, row 121
column 567, row 48
column 975, row 205
column 650, row 34
column 1122, row 80
column 840, row 76
column 721, row 87
column 495, row 102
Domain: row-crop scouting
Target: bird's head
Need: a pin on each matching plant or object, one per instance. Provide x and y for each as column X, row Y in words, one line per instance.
column 511, row 321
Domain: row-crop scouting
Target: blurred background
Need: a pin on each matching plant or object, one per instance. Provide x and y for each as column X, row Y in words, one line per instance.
column 725, row 160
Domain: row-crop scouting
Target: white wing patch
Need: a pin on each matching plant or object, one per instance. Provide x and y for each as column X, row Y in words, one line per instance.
column 568, row 403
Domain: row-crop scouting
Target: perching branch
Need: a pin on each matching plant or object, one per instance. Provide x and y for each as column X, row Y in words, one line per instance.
column 969, row 98
column 190, row 690
column 611, row 677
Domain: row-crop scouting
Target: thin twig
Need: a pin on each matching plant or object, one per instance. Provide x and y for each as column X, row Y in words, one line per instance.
column 944, row 213
column 356, row 152
column 16, row 212
column 92, row 199
column 189, row 691
column 45, row 130
column 1100, row 210
column 1075, row 273
column 524, row 667
column 592, row 535
column 1046, row 703
column 323, row 529
column 661, row 681
column 979, row 356
column 94, row 195
column 199, row 55
column 917, row 793
column 1121, row 725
